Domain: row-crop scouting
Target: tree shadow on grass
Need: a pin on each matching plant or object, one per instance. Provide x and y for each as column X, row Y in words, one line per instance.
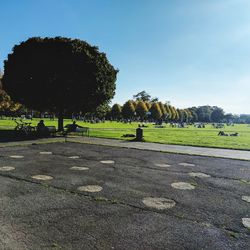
column 13, row 135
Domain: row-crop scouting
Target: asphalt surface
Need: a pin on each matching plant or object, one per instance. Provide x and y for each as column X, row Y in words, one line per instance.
column 53, row 214
column 236, row 154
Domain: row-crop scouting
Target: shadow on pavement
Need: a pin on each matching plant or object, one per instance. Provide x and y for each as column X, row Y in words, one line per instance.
column 13, row 135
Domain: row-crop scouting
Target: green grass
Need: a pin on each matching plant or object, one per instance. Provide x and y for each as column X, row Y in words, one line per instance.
column 206, row 137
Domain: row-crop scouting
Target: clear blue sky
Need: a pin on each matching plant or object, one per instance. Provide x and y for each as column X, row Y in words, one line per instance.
column 188, row 52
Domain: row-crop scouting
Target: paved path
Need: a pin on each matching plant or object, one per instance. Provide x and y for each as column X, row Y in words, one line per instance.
column 214, row 152
column 82, row 196
column 202, row 151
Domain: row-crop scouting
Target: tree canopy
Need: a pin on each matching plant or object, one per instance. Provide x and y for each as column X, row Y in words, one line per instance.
column 116, row 111
column 6, row 104
column 128, row 109
column 142, row 96
column 217, row 114
column 156, row 111
column 59, row 75
column 141, row 110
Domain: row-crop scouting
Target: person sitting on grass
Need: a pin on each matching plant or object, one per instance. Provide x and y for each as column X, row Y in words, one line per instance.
column 72, row 127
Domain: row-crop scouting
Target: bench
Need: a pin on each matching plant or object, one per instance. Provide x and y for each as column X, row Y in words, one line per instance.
column 51, row 129
column 47, row 131
column 83, row 130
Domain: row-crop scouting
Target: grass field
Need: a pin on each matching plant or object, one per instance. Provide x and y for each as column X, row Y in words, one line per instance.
column 206, row 137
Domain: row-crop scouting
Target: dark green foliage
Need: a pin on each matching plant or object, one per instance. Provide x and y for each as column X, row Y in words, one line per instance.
column 163, row 109
column 189, row 115
column 116, row 111
column 141, row 110
column 217, row 114
column 209, row 114
column 128, row 110
column 175, row 114
column 184, row 115
column 145, row 97
column 6, row 104
column 1, row 79
column 155, row 110
column 243, row 119
column 59, row 74
column 148, row 105
column 154, row 99
column 168, row 112
column 204, row 113
column 179, row 115
column 142, row 96
column 102, row 111
column 193, row 111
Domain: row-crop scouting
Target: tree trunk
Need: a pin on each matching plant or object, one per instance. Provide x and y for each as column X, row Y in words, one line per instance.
column 60, row 121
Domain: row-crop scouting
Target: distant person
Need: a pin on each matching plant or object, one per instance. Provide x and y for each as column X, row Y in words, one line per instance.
column 41, row 128
column 72, row 127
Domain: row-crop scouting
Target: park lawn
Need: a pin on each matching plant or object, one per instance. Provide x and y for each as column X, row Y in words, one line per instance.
column 187, row 136
column 206, row 137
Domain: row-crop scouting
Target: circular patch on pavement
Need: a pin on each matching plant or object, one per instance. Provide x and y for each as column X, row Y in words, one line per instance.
column 162, row 165
column 79, row 168
column 183, row 185
column 158, row 203
column 198, row 174
column 185, row 164
column 6, row 168
column 246, row 222
column 45, row 153
column 74, row 157
column 245, row 198
column 42, row 177
column 108, row 162
column 90, row 188
column 16, row 156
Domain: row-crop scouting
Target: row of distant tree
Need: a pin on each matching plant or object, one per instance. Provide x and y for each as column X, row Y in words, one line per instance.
column 142, row 107
column 62, row 75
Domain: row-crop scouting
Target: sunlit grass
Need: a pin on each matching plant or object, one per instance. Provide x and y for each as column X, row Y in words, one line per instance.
column 206, row 137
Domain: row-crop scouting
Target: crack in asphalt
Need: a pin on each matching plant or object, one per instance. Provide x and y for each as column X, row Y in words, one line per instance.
column 110, row 201
column 144, row 167
column 169, row 170
column 212, row 176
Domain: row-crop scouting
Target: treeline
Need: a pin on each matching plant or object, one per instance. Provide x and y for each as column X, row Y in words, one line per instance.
column 141, row 108
column 154, row 111
column 144, row 108
column 147, row 111
column 7, row 106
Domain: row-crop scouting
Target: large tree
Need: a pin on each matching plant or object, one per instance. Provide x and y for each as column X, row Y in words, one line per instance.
column 100, row 112
column 168, row 112
column 163, row 109
column 141, row 110
column 128, row 110
column 155, row 110
column 217, row 114
column 116, row 111
column 1, row 75
column 193, row 111
column 6, row 104
column 142, row 96
column 204, row 113
column 175, row 114
column 59, row 75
